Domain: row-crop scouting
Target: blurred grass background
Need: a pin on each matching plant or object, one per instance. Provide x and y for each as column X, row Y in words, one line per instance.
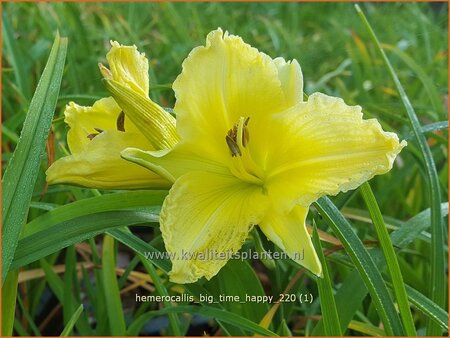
column 328, row 40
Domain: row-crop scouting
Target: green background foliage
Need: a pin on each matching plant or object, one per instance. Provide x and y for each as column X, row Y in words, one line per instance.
column 73, row 289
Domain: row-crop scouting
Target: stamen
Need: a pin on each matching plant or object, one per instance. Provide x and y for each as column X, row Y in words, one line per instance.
column 242, row 165
column 121, row 122
column 233, row 146
column 91, row 136
column 238, row 137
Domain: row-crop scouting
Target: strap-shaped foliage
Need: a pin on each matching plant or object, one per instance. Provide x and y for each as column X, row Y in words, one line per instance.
column 23, row 168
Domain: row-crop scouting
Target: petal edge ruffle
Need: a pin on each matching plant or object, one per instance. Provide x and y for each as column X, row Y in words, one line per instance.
column 205, row 218
column 327, row 148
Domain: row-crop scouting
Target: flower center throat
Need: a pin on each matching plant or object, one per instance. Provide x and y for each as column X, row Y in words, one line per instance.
column 242, row 164
column 237, row 137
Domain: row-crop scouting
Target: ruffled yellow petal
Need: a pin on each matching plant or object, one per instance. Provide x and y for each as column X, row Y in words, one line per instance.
column 291, row 78
column 99, row 165
column 83, row 120
column 205, row 218
column 86, row 120
column 289, row 233
column 129, row 67
column 174, row 163
column 322, row 147
column 221, row 82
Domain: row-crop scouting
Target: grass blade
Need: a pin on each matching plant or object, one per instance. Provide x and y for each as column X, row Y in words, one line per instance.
column 23, row 168
column 111, row 287
column 330, row 315
column 98, row 301
column 69, row 282
column 160, row 260
column 71, row 323
column 206, row 311
column 26, row 315
column 438, row 289
column 427, row 82
column 150, row 200
column 9, row 292
column 162, row 290
column 43, row 243
column 365, row 328
column 365, row 266
column 427, row 307
column 57, row 286
column 141, row 247
column 15, row 57
column 85, row 219
column 348, row 299
column 352, row 292
column 435, row 126
column 238, row 278
column 391, row 260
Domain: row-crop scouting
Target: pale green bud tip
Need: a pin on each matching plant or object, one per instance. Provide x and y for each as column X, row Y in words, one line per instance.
column 107, row 75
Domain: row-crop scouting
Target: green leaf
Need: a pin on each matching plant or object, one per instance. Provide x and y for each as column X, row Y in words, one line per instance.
column 71, row 323
column 283, row 329
column 61, row 235
column 348, row 299
column 54, row 282
column 57, row 286
column 414, row 227
column 142, row 248
column 428, row 307
column 15, row 57
column 111, row 287
column 26, row 315
column 9, row 292
column 160, row 260
column 80, row 220
column 149, row 201
column 365, row 328
column 98, row 300
column 327, row 303
column 238, row 278
column 23, row 168
column 175, row 324
column 428, row 83
column 391, row 260
column 20, row 329
column 364, row 264
column 429, row 127
column 69, row 288
column 208, row 312
column 352, row 291
column 12, row 136
column 437, row 259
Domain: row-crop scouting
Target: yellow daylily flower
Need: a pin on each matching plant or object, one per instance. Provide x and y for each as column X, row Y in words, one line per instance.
column 252, row 153
column 99, row 133
column 95, row 142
